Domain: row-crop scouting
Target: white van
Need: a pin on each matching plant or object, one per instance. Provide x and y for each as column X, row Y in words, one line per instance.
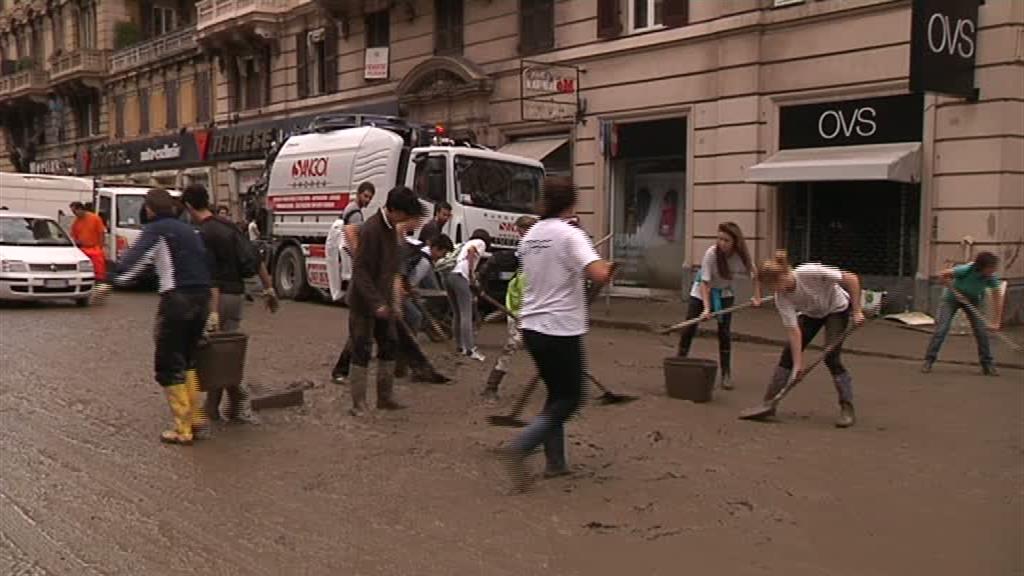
column 44, row 194
column 120, row 208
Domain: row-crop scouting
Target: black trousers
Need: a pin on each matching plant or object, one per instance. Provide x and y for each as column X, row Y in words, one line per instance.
column 180, row 320
column 363, row 330
column 835, row 325
column 406, row 347
column 695, row 309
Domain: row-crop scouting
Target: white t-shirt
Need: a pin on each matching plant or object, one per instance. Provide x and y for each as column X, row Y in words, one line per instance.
column 709, row 273
column 462, row 260
column 817, row 294
column 254, row 231
column 553, row 256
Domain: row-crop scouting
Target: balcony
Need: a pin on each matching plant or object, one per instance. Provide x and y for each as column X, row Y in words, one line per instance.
column 88, row 66
column 258, row 17
column 177, row 42
column 25, row 84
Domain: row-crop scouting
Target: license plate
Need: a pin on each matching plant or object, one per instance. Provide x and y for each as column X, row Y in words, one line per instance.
column 59, row 283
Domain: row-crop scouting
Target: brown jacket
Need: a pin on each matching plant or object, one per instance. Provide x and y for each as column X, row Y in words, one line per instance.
column 375, row 266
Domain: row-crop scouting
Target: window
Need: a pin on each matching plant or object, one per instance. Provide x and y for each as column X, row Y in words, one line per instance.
column 378, row 29
column 171, row 98
column 645, row 14
column 87, row 113
column 203, row 96
column 497, row 185
column 317, row 61
column 448, row 23
column 86, row 19
column 431, row 179
column 57, row 27
column 250, row 87
column 25, row 231
column 129, row 210
column 103, row 210
column 143, row 110
column 118, row 116
column 38, row 51
column 536, row 26
column 778, row 3
column 164, row 20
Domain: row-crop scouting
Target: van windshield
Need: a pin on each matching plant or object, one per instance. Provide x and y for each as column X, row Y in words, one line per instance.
column 497, row 185
column 23, row 231
column 129, row 210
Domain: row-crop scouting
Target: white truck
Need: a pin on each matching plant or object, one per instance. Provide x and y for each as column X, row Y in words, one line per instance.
column 44, row 194
column 314, row 174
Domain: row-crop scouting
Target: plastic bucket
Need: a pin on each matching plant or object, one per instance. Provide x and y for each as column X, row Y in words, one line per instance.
column 690, row 378
column 220, row 360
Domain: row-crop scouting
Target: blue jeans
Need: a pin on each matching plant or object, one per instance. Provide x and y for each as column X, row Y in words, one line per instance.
column 943, row 323
column 462, row 319
column 559, row 361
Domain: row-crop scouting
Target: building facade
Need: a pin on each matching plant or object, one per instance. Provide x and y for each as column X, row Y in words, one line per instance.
column 794, row 118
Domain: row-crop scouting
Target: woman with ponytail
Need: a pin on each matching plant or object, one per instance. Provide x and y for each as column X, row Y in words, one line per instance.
column 713, row 291
column 810, row 297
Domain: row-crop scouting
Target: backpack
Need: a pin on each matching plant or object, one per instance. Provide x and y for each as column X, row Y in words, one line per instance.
column 248, row 259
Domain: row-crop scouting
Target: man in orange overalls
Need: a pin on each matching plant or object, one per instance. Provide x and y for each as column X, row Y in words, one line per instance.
column 88, row 231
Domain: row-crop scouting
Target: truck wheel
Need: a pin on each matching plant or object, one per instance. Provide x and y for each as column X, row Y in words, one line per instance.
column 290, row 274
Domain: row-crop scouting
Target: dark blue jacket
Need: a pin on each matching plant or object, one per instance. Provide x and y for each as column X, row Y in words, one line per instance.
column 174, row 248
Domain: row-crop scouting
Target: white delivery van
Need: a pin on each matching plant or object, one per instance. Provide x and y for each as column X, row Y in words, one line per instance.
column 44, row 195
column 315, row 174
column 120, row 208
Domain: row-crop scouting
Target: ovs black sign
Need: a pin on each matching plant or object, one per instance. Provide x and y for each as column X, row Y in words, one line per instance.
column 851, row 122
column 943, row 44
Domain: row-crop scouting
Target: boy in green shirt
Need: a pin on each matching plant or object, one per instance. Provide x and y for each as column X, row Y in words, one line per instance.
column 968, row 281
column 513, row 301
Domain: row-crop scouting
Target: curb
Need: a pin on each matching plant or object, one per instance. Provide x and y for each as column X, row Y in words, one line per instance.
column 754, row 339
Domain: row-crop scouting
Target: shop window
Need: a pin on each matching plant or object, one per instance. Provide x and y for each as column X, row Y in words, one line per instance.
column 431, row 179
column 317, row 61
column 171, row 98
column 143, row 110
column 118, row 116
column 448, row 24
column 536, row 26
column 203, row 95
column 497, row 185
column 378, row 29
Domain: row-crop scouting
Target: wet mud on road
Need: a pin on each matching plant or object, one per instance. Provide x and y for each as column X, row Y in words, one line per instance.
column 928, row 482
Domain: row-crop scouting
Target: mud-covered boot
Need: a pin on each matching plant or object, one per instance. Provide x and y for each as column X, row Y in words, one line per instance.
column 989, row 370
column 386, row 387
column 426, row 374
column 357, row 378
column 240, row 406
column 926, row 368
column 181, row 410
column 779, row 380
column 211, row 408
column 725, row 365
column 339, row 374
column 490, row 391
column 847, row 417
column 844, row 387
column 200, row 423
column 401, row 367
column 554, row 454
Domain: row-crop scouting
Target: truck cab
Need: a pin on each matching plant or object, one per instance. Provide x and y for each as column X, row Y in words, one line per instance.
column 313, row 175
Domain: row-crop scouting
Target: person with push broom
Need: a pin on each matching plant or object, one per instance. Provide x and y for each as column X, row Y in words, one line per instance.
column 713, row 291
column 966, row 286
column 555, row 258
column 810, row 297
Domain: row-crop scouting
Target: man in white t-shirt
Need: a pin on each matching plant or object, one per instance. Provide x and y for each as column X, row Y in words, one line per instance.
column 555, row 258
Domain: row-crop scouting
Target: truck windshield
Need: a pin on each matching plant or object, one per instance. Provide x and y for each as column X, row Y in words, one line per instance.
column 497, row 185
column 23, row 231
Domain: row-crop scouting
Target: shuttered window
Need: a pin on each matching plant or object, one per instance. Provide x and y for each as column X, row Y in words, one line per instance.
column 536, row 26
column 448, row 23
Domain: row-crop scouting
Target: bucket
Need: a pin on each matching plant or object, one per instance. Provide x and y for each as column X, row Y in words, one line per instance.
column 690, row 378
column 220, row 360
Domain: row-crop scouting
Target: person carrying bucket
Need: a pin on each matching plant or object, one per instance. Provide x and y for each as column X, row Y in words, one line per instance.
column 810, row 297
column 713, row 291
column 969, row 281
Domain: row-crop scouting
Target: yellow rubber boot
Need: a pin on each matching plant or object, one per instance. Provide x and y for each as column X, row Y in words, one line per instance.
column 177, row 399
column 200, row 423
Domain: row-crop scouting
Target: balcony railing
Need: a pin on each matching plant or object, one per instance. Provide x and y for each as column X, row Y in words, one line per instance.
column 146, row 52
column 85, row 62
column 211, row 12
column 25, row 81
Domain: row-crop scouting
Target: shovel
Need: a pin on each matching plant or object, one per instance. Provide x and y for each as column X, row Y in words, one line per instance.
column 511, row 420
column 767, row 408
column 697, row 320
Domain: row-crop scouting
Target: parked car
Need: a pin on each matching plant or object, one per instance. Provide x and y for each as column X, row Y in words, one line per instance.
column 38, row 261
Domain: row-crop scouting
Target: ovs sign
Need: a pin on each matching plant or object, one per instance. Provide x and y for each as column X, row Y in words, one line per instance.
column 859, row 121
column 943, row 44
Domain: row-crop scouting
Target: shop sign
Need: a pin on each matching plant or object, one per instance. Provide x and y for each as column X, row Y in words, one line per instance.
column 852, row 122
column 943, row 45
column 166, row 152
column 549, row 92
column 54, row 166
column 376, row 66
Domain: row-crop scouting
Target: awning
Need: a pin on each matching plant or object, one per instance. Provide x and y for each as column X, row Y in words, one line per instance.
column 894, row 162
column 535, row 149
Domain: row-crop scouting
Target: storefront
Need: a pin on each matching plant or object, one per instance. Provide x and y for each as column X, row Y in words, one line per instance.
column 166, row 161
column 648, row 202
column 848, row 177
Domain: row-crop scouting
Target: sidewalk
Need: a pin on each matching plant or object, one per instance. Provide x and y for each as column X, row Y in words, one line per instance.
column 879, row 338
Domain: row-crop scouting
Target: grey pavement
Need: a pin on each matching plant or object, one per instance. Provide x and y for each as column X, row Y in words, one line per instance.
column 879, row 337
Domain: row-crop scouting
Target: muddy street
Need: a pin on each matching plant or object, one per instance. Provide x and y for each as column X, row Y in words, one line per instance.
column 927, row 482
